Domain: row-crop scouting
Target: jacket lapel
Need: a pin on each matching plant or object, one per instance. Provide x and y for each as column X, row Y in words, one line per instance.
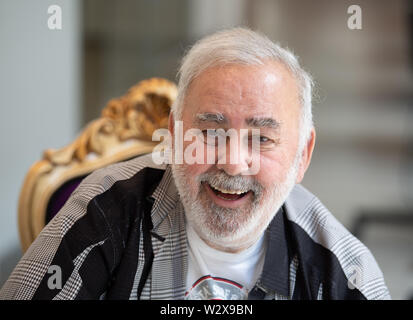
column 170, row 264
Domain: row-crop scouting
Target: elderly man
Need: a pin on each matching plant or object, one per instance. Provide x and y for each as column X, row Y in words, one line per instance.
column 209, row 229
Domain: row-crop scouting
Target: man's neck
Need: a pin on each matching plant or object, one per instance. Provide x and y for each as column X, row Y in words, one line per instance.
column 233, row 247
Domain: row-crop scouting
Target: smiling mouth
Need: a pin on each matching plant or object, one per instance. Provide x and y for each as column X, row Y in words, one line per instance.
column 228, row 195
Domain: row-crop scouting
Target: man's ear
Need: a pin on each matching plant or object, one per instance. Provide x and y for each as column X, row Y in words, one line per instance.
column 306, row 156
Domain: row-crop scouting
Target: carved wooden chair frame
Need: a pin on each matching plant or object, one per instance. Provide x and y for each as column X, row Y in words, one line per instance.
column 123, row 131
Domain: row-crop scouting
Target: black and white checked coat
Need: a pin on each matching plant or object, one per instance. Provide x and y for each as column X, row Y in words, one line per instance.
column 121, row 235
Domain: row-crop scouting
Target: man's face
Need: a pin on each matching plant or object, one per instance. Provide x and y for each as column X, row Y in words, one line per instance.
column 221, row 200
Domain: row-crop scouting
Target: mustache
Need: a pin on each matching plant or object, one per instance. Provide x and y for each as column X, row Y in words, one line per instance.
column 223, row 180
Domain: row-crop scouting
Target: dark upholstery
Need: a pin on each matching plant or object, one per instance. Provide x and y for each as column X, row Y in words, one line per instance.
column 60, row 197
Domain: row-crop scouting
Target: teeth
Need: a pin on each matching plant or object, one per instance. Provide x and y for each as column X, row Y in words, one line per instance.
column 228, row 191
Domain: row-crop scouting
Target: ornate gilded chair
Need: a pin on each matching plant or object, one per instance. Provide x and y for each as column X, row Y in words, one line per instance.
column 123, row 131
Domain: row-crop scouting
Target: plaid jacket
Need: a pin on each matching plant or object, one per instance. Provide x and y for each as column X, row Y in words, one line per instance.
column 121, row 235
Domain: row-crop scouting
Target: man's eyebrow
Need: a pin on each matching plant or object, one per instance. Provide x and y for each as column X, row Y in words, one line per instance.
column 211, row 117
column 263, row 122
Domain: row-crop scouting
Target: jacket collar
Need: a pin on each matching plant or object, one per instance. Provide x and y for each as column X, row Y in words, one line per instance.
column 165, row 198
column 275, row 274
column 169, row 268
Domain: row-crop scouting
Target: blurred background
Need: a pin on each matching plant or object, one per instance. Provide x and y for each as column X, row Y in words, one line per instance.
column 52, row 82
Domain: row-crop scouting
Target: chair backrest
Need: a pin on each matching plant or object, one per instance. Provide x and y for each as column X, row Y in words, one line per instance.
column 123, row 131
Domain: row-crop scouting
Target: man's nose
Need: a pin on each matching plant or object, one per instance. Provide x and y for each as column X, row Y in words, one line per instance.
column 234, row 159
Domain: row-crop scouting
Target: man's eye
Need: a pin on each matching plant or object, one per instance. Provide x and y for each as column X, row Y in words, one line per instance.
column 261, row 142
column 262, row 139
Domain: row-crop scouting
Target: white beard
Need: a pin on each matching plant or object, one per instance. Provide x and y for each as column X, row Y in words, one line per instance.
column 222, row 226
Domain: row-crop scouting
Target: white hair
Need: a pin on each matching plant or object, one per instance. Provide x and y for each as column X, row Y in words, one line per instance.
column 243, row 46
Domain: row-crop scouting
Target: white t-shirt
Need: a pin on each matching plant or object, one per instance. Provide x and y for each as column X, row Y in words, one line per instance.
column 218, row 275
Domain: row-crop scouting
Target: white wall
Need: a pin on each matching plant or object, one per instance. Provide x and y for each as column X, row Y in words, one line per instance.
column 39, row 100
column 209, row 16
